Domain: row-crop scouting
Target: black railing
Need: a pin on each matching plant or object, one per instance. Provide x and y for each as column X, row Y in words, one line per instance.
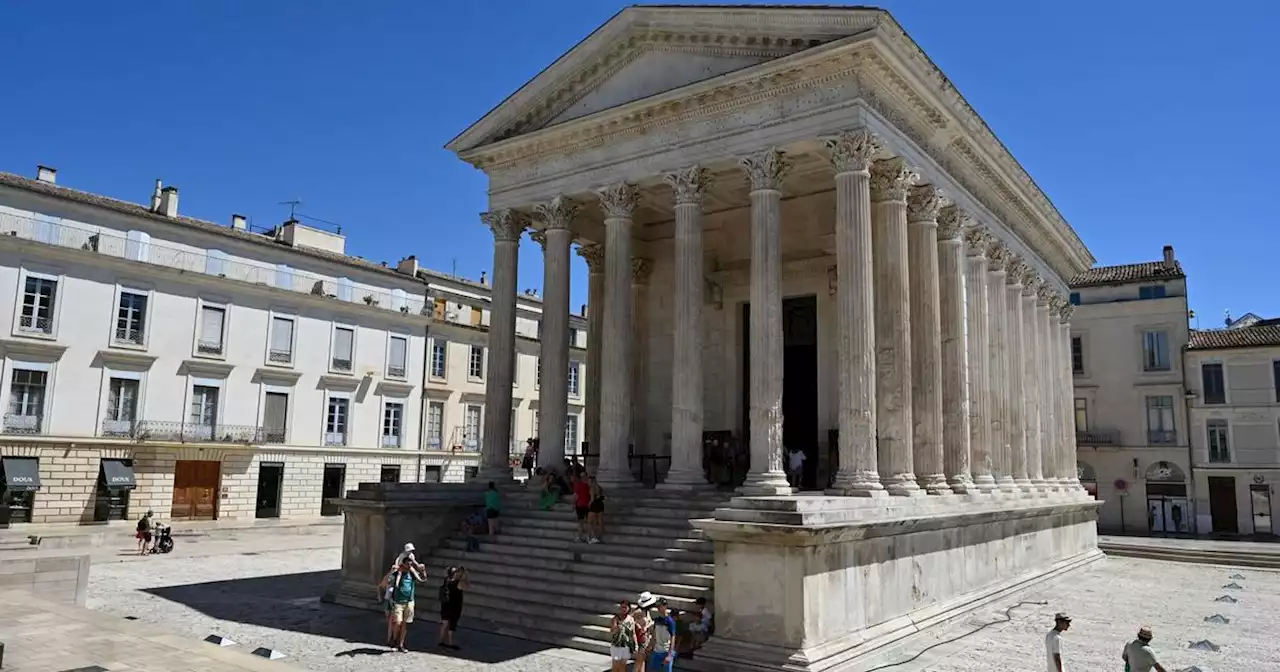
column 129, row 336
column 16, row 423
column 39, row 325
column 191, row 432
column 279, row 356
column 341, row 364
column 1098, row 437
column 395, row 371
column 209, row 347
column 1158, row 437
column 118, row 429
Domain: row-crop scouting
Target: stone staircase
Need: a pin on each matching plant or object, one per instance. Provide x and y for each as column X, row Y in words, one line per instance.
column 534, row 582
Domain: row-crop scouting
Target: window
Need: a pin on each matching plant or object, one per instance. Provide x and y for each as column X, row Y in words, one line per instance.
column 392, row 424
column 212, row 327
column 1214, row 388
column 537, row 419
column 571, row 435
column 1155, row 351
column 439, row 349
column 335, row 424
column 475, row 363
column 344, row 339
column 537, row 376
column 1275, row 376
column 1082, row 415
column 204, row 412
column 1077, row 355
column 1074, row 298
column 573, row 337
column 38, row 298
column 131, row 318
column 471, row 428
column 275, row 415
column 435, row 425
column 26, row 401
column 1160, row 420
column 1219, row 450
column 1151, row 292
column 122, row 407
column 573, row 379
column 397, row 352
column 390, row 473
column 280, row 350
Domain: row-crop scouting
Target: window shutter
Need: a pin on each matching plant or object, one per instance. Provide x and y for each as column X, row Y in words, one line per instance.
column 275, row 411
column 398, row 349
column 211, row 325
column 282, row 334
column 342, row 343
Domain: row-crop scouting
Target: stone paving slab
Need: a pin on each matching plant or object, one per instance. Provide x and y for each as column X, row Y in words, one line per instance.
column 1215, row 545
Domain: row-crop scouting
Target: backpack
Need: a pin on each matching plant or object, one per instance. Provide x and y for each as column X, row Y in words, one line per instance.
column 142, row 524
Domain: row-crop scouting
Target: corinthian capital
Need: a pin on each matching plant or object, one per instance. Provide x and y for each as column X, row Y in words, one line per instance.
column 1064, row 313
column 618, row 200
column 952, row 222
column 641, row 269
column 765, row 169
column 997, row 254
column 1046, row 296
column 594, row 256
column 852, row 151
column 1030, row 282
column 923, row 203
column 556, row 213
column 688, row 184
column 1015, row 270
column 506, row 224
column 890, row 180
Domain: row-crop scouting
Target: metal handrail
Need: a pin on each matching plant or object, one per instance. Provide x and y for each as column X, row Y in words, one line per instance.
column 18, row 423
column 190, row 432
column 1098, row 437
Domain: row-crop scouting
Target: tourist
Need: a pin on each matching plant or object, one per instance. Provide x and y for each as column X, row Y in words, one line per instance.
column 795, row 467
column 492, row 507
column 456, row 583
column 144, row 532
column 530, row 459
column 622, row 638
column 404, row 582
column 702, row 628
column 474, row 525
column 582, row 507
column 385, row 588
column 1138, row 656
column 550, row 492
column 663, row 653
column 644, row 636
column 1053, row 642
column 577, row 467
column 595, row 510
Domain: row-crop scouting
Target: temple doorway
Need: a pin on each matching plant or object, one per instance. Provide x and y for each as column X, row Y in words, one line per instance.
column 799, row 381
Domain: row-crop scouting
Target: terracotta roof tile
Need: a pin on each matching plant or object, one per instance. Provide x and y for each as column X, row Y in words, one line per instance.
column 1257, row 336
column 1114, row 275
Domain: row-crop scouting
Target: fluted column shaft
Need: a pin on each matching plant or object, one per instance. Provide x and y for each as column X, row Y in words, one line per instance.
column 955, row 393
column 619, row 202
column 1032, row 381
column 998, row 306
column 765, row 171
column 890, row 180
column 1066, row 389
column 495, row 450
column 686, row 375
column 553, row 390
column 979, row 358
column 858, row 474
column 1014, row 417
column 640, row 272
column 923, row 202
column 1047, row 379
column 594, row 256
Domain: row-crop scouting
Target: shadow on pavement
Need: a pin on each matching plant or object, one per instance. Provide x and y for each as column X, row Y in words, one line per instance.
column 292, row 602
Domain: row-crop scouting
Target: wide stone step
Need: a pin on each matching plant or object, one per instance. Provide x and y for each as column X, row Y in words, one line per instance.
column 582, row 584
column 647, row 570
column 570, row 536
column 537, row 546
column 597, row 554
column 1194, row 556
column 646, row 528
column 578, row 596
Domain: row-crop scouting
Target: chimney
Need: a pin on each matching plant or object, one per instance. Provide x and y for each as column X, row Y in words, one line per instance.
column 584, row 310
column 169, row 201
column 155, row 197
column 1169, row 261
column 483, row 280
column 239, row 223
column 47, row 174
column 408, row 266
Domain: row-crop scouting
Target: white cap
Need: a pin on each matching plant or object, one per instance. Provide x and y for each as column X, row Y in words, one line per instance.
column 408, row 548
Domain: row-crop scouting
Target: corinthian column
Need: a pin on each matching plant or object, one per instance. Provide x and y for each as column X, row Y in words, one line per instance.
column 955, row 397
column 1046, row 302
column 1031, row 378
column 890, row 181
column 765, row 171
column 686, row 375
column 619, row 202
column 553, row 392
column 1067, row 450
column 923, row 203
column 495, row 454
column 998, row 308
column 1014, row 272
column 851, row 155
column 594, row 256
column 977, row 316
column 641, row 269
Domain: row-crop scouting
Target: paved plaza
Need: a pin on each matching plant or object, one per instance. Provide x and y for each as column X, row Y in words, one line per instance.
column 263, row 592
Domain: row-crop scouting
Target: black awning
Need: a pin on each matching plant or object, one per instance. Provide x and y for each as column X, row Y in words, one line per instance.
column 118, row 475
column 21, row 473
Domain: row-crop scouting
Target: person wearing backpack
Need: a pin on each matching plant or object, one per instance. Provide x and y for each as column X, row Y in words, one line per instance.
column 401, row 584
column 144, row 532
column 456, row 583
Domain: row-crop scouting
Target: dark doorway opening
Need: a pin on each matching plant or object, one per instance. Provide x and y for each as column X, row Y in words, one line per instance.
column 1222, row 504
column 270, row 482
column 799, row 381
column 390, row 473
column 432, row 475
column 111, row 494
column 335, row 476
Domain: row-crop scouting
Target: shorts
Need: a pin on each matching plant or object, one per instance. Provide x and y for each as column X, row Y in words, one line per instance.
column 403, row 613
column 581, row 511
column 597, row 506
column 619, row 653
column 491, row 513
column 658, row 662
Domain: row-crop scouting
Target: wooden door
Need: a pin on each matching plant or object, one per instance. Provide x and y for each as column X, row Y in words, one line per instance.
column 1222, row 504
column 195, row 490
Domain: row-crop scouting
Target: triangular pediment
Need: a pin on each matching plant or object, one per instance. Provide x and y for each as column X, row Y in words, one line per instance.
column 645, row 51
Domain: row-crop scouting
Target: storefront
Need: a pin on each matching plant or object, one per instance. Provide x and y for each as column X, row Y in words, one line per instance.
column 1167, row 510
column 111, row 496
column 20, row 479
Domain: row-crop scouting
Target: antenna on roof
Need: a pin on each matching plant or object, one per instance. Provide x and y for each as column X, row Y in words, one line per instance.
column 454, row 272
column 293, row 206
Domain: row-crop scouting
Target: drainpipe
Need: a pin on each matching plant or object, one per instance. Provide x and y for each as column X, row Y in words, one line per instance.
column 422, row 397
column 1191, row 456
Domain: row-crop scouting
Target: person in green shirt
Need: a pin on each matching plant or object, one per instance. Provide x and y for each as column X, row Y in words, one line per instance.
column 492, row 507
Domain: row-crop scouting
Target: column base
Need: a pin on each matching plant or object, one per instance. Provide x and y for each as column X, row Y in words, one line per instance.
column 985, row 483
column 765, row 484
column 961, row 485
column 1006, row 484
column 685, row 480
column 902, row 485
column 857, row 484
column 499, row 475
column 935, row 484
column 616, row 478
column 1023, row 485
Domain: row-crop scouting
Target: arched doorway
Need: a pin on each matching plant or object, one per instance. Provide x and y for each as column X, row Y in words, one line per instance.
column 1088, row 477
column 1167, row 511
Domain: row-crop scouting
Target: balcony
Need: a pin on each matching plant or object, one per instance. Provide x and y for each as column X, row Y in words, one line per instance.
column 394, row 371
column 213, row 348
column 129, row 336
column 1162, row 437
column 341, row 364
column 191, row 432
column 1098, row 437
column 1219, row 455
column 35, row 325
column 335, row 438
column 117, row 429
column 15, row 423
column 279, row 356
column 390, row 441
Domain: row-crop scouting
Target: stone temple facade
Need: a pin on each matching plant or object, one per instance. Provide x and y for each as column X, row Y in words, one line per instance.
column 834, row 240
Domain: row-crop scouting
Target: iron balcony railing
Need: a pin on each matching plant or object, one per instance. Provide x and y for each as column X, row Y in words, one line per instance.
column 279, row 356
column 341, row 364
column 1219, row 455
column 390, row 441
column 129, row 336
column 18, row 423
column 1159, row 437
column 118, row 429
column 192, row 432
column 35, row 325
column 335, row 438
column 395, row 371
column 209, row 347
column 1098, row 437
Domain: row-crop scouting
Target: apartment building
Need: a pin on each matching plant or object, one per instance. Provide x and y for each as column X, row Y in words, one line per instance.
column 1233, row 375
column 157, row 361
column 1128, row 333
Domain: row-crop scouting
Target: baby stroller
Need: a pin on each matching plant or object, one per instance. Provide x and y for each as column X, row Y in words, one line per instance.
column 163, row 542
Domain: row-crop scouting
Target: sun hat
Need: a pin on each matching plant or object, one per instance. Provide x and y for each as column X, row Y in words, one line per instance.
column 408, row 548
column 1144, row 632
column 1062, row 616
column 646, row 600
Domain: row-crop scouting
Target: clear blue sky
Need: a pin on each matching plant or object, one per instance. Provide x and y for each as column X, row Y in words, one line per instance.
column 1147, row 123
